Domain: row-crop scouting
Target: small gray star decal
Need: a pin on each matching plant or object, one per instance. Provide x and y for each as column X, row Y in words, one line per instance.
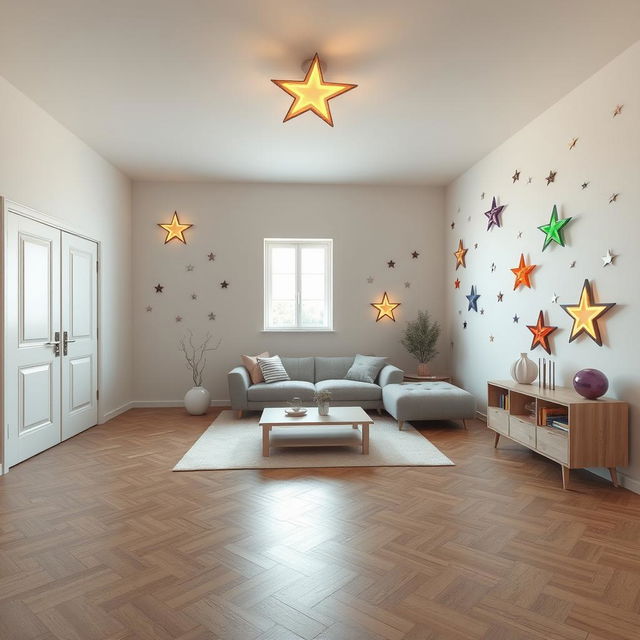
column 190, row 267
column 212, row 316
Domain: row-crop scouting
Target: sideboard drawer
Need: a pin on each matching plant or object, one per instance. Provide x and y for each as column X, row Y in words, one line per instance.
column 498, row 419
column 522, row 431
column 553, row 443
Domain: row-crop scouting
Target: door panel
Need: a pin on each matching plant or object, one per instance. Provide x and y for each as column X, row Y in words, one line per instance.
column 32, row 320
column 80, row 322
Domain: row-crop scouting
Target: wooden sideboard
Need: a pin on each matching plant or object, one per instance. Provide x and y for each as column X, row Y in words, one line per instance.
column 598, row 431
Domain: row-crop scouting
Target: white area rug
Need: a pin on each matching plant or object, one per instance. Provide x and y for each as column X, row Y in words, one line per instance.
column 229, row 443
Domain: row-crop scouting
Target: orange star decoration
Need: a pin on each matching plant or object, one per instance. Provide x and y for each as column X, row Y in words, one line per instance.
column 385, row 308
column 175, row 229
column 522, row 272
column 312, row 93
column 541, row 333
column 460, row 254
column 585, row 315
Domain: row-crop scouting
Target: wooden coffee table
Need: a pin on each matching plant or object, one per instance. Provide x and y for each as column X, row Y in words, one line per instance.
column 338, row 416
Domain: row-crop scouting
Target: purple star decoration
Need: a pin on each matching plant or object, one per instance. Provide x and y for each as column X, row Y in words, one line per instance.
column 494, row 214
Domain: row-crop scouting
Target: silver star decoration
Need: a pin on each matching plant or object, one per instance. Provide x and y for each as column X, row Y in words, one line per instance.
column 407, row 285
column 493, row 266
column 211, row 257
column 529, row 180
column 178, row 318
column 475, row 246
column 370, row 279
column 212, row 316
column 516, row 319
column 554, row 299
column 519, row 234
column 608, row 259
column 469, row 219
column 584, row 185
column 491, row 338
column 481, row 312
column 572, row 143
column 194, row 296
column 459, row 312
column 482, row 196
column 190, row 267
column 618, row 110
column 572, row 264
column 613, row 198
column 149, row 308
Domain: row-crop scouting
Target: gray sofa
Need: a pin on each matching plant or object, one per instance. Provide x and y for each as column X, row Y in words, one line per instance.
column 309, row 375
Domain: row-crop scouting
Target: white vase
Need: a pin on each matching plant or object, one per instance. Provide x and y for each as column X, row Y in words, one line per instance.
column 323, row 408
column 524, row 370
column 196, row 401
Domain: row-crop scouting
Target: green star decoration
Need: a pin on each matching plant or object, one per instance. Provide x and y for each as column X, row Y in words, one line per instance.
column 553, row 230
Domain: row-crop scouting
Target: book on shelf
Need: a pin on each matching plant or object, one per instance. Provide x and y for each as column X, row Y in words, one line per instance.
column 561, row 426
column 547, row 413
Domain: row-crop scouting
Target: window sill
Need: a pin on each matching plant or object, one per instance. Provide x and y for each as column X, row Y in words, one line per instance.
column 298, row 331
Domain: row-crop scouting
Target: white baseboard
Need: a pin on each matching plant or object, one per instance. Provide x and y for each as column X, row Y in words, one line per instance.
column 632, row 484
column 110, row 415
column 481, row 416
column 153, row 404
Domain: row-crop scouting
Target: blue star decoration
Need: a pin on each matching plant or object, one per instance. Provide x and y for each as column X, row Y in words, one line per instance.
column 494, row 214
column 473, row 299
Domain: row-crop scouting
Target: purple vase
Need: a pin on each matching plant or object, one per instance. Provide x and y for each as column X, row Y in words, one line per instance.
column 590, row 383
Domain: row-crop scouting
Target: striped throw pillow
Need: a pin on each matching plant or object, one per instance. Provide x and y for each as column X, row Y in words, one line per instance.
column 273, row 369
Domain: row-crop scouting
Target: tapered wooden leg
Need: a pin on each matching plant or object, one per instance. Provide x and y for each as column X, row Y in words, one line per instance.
column 400, row 423
column 464, row 423
column 379, row 412
column 365, row 439
column 265, row 440
column 496, row 440
column 565, row 477
column 614, row 476
column 238, row 414
column 354, row 426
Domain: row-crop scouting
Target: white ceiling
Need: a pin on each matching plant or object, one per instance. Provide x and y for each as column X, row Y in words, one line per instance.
column 180, row 89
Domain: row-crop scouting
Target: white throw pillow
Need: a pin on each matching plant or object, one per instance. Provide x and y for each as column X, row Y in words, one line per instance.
column 272, row 369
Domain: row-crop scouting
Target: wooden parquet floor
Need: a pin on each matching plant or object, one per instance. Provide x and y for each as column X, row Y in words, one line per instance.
column 100, row 540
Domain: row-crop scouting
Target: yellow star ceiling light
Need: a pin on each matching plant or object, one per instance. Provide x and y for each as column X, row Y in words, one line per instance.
column 385, row 308
column 312, row 93
column 175, row 229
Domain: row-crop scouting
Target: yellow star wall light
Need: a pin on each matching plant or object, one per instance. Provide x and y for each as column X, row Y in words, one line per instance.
column 175, row 230
column 586, row 314
column 460, row 254
column 385, row 308
column 312, row 93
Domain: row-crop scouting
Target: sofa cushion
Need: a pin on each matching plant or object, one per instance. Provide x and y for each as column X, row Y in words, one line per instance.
column 365, row 368
column 281, row 391
column 350, row 390
column 272, row 369
column 251, row 365
column 332, row 368
column 300, row 368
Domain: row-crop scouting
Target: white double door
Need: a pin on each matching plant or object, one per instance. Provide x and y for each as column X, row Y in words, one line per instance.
column 51, row 337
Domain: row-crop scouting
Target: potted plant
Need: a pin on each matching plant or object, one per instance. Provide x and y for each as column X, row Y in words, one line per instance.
column 197, row 399
column 322, row 398
column 419, row 339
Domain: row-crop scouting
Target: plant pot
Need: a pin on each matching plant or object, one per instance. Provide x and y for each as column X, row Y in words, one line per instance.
column 423, row 369
column 196, row 401
column 524, row 370
column 323, row 408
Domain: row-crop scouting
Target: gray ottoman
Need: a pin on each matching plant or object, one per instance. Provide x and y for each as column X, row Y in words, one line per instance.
column 428, row 401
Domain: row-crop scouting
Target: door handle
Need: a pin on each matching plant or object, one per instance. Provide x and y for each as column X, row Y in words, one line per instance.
column 65, row 342
column 55, row 343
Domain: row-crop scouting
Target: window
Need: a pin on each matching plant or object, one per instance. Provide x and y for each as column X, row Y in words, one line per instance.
column 298, row 285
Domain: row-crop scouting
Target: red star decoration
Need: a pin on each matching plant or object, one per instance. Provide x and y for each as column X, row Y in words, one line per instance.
column 456, row 284
column 522, row 272
column 541, row 333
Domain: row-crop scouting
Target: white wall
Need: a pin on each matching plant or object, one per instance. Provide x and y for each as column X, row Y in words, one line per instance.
column 607, row 155
column 370, row 225
column 44, row 166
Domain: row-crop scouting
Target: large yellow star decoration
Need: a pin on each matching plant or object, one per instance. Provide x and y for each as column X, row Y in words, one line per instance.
column 312, row 93
column 385, row 308
column 175, row 229
column 585, row 315
column 460, row 254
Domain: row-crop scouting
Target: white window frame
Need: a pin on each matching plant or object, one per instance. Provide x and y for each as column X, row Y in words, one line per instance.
column 298, row 243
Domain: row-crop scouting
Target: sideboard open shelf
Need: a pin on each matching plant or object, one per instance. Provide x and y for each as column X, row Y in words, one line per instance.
column 597, row 432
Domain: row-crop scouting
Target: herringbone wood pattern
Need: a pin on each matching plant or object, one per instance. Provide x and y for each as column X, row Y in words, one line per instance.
column 100, row 540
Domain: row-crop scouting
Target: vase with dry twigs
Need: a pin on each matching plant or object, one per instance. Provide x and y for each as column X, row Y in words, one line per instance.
column 197, row 399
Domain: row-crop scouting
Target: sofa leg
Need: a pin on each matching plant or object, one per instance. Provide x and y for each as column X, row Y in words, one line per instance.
column 464, row 423
column 239, row 414
column 379, row 412
column 400, row 423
